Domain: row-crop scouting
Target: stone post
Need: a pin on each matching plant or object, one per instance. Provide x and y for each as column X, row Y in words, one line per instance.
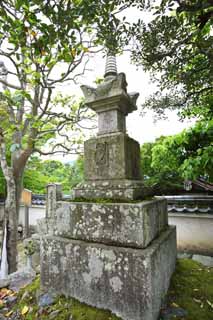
column 54, row 194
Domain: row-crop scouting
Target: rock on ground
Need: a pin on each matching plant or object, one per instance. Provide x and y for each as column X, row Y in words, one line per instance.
column 205, row 260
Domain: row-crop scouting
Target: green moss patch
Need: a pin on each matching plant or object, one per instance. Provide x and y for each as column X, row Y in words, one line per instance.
column 63, row 308
column 192, row 289
column 102, row 201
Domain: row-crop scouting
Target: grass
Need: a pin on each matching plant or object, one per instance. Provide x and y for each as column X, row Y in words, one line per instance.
column 191, row 289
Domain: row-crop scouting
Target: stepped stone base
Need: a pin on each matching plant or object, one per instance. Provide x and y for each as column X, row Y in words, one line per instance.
column 130, row 282
column 123, row 224
column 114, row 189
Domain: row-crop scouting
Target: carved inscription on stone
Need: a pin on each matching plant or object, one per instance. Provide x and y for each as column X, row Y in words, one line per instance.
column 101, row 154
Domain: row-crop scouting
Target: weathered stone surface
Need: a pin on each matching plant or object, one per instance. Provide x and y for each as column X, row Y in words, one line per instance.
column 184, row 255
column 54, row 194
column 32, row 249
column 21, row 278
column 172, row 313
column 4, row 283
column 129, row 282
column 111, row 121
column 111, row 95
column 114, row 156
column 205, row 260
column 113, row 189
column 125, row 224
column 45, row 300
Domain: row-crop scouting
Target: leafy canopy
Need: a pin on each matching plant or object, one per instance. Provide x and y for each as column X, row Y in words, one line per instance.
column 177, row 47
column 168, row 161
column 39, row 173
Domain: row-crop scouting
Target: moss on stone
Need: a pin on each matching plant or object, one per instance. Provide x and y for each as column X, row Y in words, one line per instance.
column 192, row 289
column 102, row 201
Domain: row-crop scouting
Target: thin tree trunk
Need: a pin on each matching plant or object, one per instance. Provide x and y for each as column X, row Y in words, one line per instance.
column 14, row 185
column 12, row 206
column 12, row 225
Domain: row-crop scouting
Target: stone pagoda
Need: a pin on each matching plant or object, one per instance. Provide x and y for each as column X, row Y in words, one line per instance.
column 112, row 159
column 118, row 255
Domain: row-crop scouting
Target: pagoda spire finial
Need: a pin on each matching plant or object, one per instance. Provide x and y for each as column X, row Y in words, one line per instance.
column 111, row 66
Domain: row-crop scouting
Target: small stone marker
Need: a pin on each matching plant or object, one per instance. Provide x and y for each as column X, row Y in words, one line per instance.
column 54, row 194
column 116, row 256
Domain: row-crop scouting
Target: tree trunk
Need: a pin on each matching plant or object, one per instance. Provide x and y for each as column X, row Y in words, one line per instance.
column 11, row 219
column 12, row 206
column 14, row 176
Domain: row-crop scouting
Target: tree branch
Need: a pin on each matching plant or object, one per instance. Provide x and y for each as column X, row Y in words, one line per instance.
column 12, row 86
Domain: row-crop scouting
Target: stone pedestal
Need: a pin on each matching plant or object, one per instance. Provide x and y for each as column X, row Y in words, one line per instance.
column 132, row 283
column 122, row 224
column 116, row 256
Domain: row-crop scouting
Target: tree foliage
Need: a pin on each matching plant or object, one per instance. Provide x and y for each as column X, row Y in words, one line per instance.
column 159, row 167
column 39, row 173
column 177, row 47
column 168, row 161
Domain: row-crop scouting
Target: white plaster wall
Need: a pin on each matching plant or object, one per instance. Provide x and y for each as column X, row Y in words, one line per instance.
column 35, row 213
column 194, row 232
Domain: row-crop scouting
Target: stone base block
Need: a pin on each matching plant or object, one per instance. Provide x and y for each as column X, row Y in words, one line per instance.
column 112, row 156
column 123, row 224
column 112, row 189
column 130, row 282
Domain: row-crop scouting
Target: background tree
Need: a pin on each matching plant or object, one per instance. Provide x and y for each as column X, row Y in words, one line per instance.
column 77, row 172
column 177, row 47
column 39, row 173
column 159, row 166
column 43, row 44
column 168, row 161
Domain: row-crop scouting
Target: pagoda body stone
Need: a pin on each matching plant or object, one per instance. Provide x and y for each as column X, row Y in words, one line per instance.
column 120, row 255
column 112, row 159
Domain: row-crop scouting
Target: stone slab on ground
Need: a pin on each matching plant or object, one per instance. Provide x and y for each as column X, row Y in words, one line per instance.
column 205, row 260
column 4, row 283
column 172, row 313
column 122, row 224
column 130, row 282
column 21, row 278
column 184, row 255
